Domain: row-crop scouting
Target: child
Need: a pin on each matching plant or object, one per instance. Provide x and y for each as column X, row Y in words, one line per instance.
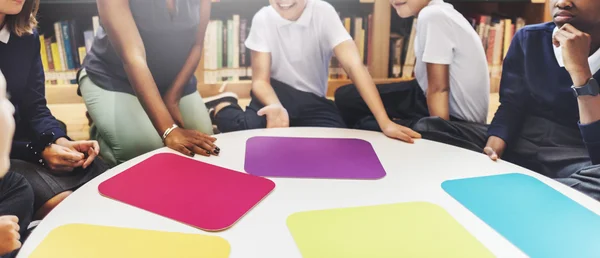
column 292, row 42
column 452, row 79
column 549, row 115
column 41, row 151
column 16, row 195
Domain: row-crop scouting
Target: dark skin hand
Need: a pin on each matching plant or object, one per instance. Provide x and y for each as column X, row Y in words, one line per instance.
column 122, row 31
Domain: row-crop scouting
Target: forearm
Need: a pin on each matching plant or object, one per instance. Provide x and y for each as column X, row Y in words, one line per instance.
column 437, row 102
column 147, row 92
column 264, row 92
column 368, row 91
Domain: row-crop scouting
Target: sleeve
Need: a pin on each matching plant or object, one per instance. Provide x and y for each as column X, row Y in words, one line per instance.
column 515, row 97
column 257, row 38
column 33, row 104
column 21, row 151
column 332, row 28
column 435, row 36
column 591, row 137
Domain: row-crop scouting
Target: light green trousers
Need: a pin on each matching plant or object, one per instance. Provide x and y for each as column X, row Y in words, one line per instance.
column 122, row 127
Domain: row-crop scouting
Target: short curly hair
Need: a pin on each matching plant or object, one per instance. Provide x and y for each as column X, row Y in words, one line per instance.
column 24, row 22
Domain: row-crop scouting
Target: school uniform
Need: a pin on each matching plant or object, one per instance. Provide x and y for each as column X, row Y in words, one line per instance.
column 22, row 67
column 445, row 37
column 300, row 54
column 538, row 116
column 120, row 123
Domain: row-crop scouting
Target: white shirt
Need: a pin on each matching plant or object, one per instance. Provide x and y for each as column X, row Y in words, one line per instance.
column 593, row 60
column 4, row 34
column 300, row 50
column 444, row 36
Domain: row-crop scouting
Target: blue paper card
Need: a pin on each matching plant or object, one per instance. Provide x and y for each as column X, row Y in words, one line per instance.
column 539, row 220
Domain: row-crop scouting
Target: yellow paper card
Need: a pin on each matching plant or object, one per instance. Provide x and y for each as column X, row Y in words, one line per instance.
column 416, row 229
column 89, row 241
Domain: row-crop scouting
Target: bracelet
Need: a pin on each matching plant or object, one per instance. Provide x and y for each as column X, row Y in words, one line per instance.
column 168, row 131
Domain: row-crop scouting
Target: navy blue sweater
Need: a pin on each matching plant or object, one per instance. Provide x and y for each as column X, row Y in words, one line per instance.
column 534, row 84
column 21, row 64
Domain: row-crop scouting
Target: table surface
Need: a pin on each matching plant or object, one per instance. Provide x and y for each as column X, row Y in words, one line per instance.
column 414, row 173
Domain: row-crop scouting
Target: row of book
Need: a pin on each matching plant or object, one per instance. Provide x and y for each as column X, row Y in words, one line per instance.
column 495, row 33
column 63, row 53
column 361, row 30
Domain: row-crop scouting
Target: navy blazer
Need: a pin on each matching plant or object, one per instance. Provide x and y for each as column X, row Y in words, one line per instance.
column 21, row 64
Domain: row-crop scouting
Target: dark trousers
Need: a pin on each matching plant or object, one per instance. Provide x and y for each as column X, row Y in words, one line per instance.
column 404, row 102
column 543, row 146
column 16, row 198
column 304, row 109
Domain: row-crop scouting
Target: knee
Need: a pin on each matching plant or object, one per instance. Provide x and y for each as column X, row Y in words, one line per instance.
column 425, row 124
column 342, row 94
column 51, row 204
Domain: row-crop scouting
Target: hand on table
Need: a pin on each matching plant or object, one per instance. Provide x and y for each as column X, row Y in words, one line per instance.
column 396, row 131
column 9, row 234
column 494, row 147
column 277, row 116
column 190, row 142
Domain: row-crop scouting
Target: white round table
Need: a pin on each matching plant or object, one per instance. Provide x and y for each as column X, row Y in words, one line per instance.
column 414, row 173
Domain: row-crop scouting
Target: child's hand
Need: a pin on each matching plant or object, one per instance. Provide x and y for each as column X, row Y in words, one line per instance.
column 9, row 234
column 277, row 116
column 494, row 148
column 396, row 131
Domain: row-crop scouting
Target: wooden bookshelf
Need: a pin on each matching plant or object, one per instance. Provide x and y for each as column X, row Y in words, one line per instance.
column 535, row 11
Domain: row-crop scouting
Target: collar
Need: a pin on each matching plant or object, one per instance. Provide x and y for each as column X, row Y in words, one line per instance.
column 4, row 34
column 304, row 19
column 435, row 2
column 593, row 60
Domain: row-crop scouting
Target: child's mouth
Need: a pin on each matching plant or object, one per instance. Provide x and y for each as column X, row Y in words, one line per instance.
column 286, row 7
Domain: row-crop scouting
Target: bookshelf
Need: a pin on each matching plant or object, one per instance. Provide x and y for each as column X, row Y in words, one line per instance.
column 384, row 21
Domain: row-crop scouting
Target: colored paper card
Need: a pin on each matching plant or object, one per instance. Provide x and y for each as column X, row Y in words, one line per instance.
column 533, row 216
column 90, row 241
column 416, row 229
column 312, row 158
column 192, row 192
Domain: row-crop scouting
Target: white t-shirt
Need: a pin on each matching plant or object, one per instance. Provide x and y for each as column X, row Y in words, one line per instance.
column 444, row 36
column 300, row 50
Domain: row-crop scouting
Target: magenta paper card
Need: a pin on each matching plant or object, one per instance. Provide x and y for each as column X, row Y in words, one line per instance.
column 312, row 158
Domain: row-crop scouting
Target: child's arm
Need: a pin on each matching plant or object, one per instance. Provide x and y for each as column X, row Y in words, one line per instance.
column 277, row 115
column 438, row 77
column 347, row 53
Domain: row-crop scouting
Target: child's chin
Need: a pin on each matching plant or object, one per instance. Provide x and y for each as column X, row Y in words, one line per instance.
column 404, row 14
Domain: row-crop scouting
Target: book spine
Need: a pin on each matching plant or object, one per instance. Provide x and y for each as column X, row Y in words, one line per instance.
column 43, row 53
column 61, row 49
column 236, row 47
column 74, row 43
column 243, row 35
column 56, row 56
column 67, row 45
column 230, row 52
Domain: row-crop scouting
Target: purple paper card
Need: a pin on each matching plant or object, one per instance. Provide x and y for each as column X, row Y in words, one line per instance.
column 312, row 158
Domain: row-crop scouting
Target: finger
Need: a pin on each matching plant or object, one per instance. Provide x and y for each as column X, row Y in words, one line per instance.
column 491, row 153
column 411, row 133
column 17, row 244
column 185, row 151
column 560, row 38
column 262, row 111
column 569, row 28
column 566, row 34
column 90, row 159
column 403, row 137
column 12, row 218
column 201, row 151
column 96, row 147
column 70, row 156
column 17, row 227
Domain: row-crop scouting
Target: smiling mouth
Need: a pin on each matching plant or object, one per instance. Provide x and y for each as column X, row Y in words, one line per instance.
column 397, row 4
column 286, row 6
